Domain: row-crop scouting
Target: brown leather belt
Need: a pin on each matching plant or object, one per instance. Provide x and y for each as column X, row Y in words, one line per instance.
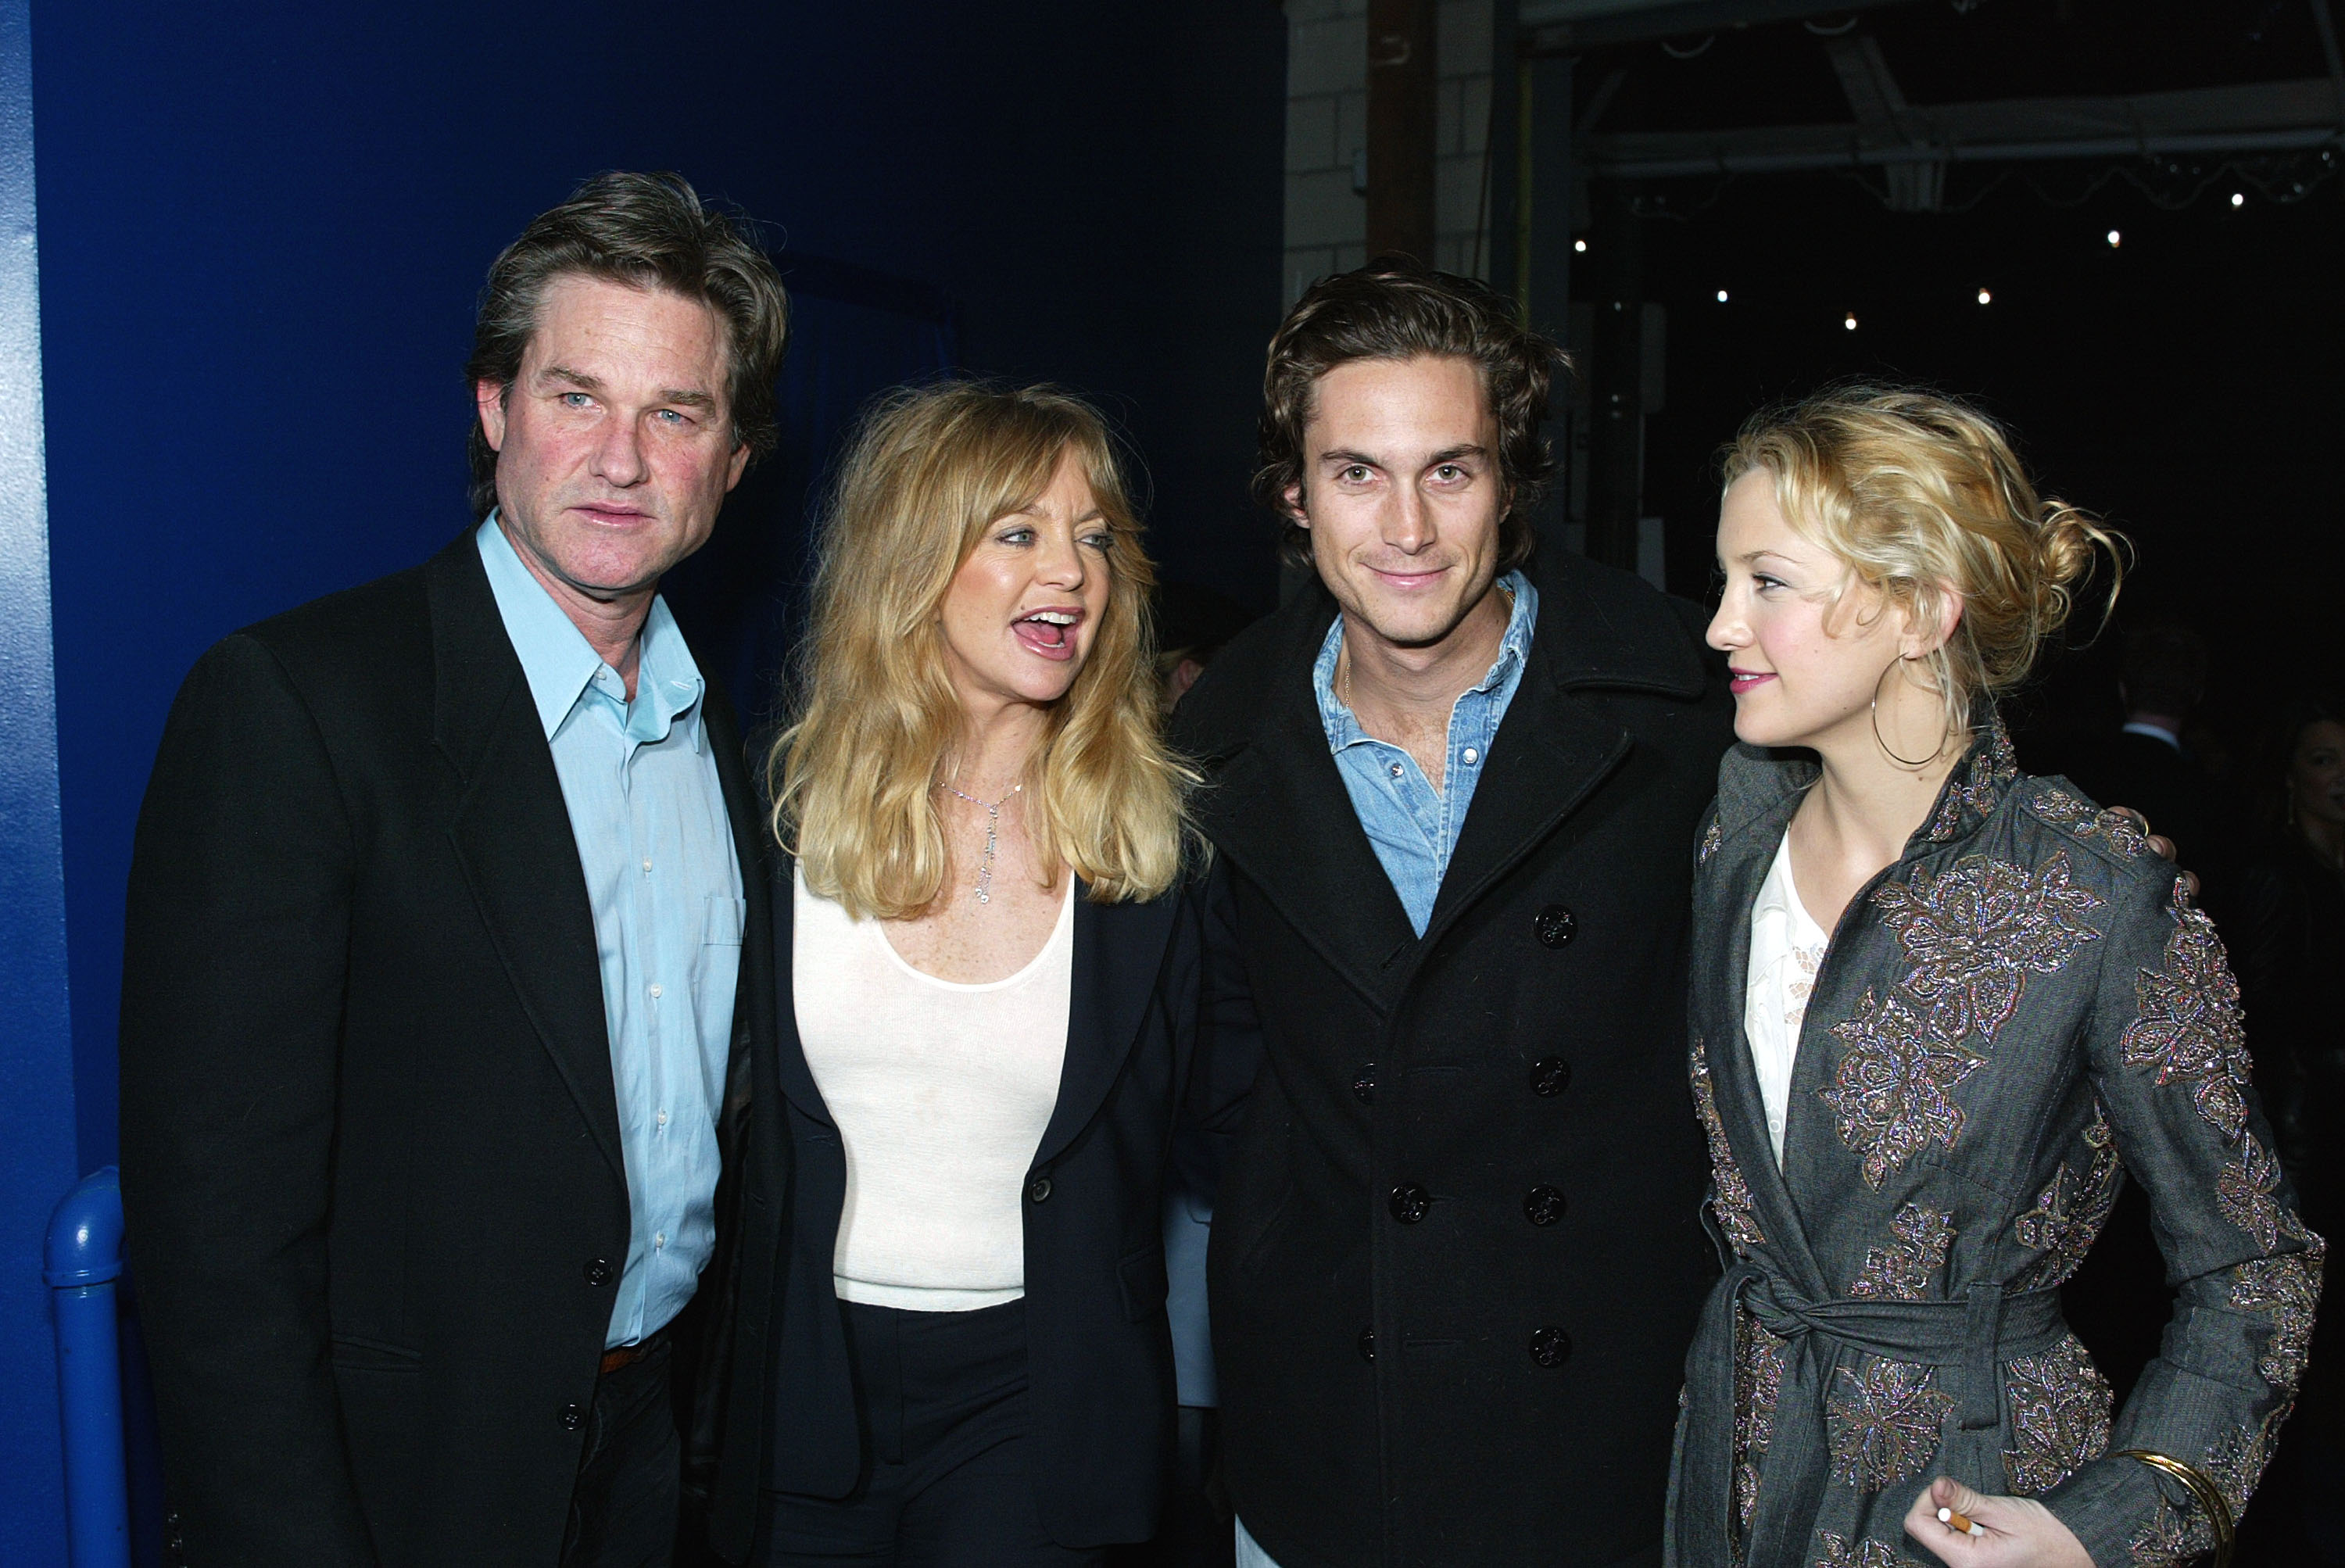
column 628, row 1355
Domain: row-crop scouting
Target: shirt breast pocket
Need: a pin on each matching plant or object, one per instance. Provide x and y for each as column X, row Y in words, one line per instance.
column 722, row 925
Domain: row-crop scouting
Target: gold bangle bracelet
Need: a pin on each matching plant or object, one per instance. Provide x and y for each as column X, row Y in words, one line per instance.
column 2208, row 1496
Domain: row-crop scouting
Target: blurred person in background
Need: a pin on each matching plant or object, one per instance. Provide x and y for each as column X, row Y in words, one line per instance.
column 2146, row 764
column 2286, row 924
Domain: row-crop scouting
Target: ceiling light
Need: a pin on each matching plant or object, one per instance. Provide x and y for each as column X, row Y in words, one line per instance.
column 1579, row 245
column 1985, row 297
column 2239, row 199
column 1722, row 296
column 1849, row 321
column 2115, row 239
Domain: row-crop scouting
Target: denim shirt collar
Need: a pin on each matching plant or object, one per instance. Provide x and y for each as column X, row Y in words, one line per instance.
column 1514, row 649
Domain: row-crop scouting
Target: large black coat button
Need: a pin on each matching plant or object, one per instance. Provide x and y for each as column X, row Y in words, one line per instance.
column 1409, row 1203
column 598, row 1272
column 573, row 1416
column 1364, row 1083
column 1366, row 1344
column 1543, row 1204
column 1556, row 925
column 1550, row 1076
column 1550, row 1346
column 1039, row 1190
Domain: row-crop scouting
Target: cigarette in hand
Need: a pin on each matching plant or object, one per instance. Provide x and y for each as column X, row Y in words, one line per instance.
column 1962, row 1522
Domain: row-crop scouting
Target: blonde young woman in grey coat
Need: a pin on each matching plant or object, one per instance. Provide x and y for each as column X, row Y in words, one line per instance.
column 1941, row 1009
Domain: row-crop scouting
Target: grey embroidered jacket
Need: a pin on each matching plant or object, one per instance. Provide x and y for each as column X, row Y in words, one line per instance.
column 2022, row 1009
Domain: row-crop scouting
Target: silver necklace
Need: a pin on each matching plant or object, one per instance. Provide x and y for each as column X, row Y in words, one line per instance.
column 992, row 828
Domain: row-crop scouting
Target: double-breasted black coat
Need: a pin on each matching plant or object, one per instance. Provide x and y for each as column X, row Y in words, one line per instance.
column 1457, row 1252
column 370, row 1160
column 1153, row 1033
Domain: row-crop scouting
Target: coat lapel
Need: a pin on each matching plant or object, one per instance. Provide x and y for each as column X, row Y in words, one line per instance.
column 1119, row 954
column 797, row 1078
column 1756, row 800
column 753, row 1004
column 512, row 838
column 1280, row 812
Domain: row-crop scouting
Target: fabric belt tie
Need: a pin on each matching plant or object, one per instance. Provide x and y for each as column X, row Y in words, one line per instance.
column 1975, row 1333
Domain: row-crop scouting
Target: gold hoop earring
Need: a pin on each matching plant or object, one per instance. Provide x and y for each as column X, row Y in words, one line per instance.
column 1943, row 729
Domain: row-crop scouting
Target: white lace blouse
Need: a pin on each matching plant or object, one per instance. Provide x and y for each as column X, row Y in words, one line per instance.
column 1786, row 946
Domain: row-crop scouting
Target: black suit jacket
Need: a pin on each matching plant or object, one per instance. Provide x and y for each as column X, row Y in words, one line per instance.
column 370, row 1160
column 1458, row 1254
column 1150, row 1027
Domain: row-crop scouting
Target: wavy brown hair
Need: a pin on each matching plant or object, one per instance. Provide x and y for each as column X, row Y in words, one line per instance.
column 1396, row 309
column 874, row 718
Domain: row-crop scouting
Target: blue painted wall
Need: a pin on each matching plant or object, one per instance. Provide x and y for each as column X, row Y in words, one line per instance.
column 261, row 231
column 36, row 1065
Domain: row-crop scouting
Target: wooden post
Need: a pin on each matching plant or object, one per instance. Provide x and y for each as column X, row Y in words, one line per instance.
column 1401, row 128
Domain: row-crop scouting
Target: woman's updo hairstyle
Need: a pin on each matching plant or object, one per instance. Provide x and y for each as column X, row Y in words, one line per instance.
column 1917, row 494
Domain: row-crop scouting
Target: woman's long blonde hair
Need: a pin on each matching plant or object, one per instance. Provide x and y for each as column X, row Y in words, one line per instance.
column 875, row 720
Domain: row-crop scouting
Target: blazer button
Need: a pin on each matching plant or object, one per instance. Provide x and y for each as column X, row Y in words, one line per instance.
column 1556, row 925
column 1550, row 1076
column 1543, row 1204
column 573, row 1416
column 1364, row 1083
column 1039, row 1190
column 1550, row 1346
column 1366, row 1344
column 598, row 1272
column 1409, row 1203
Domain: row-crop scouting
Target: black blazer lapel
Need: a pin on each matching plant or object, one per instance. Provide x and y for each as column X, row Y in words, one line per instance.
column 790, row 1051
column 1119, row 956
column 752, row 1002
column 512, row 838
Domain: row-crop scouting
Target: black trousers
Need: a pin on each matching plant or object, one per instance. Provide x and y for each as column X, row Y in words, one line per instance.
column 622, row 1510
column 946, row 1481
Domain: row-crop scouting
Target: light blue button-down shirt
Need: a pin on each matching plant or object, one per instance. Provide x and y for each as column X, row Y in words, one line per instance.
column 665, row 885
column 1412, row 826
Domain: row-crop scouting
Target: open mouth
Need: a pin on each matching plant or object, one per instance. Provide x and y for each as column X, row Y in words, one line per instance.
column 1050, row 634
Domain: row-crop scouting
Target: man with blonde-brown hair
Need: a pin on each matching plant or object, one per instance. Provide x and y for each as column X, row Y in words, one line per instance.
column 434, row 976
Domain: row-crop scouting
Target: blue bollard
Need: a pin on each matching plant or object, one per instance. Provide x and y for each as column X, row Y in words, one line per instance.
column 82, row 1260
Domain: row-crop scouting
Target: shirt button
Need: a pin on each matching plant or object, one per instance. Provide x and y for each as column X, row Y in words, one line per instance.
column 662, row 1118
column 647, row 863
column 1396, row 770
column 659, row 1239
column 655, row 993
column 1471, row 756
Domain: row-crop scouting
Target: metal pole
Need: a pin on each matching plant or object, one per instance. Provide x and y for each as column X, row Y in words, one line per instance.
column 82, row 1260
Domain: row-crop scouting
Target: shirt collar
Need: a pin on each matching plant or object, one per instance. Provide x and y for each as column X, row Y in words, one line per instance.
column 1514, row 649
column 562, row 666
column 2154, row 731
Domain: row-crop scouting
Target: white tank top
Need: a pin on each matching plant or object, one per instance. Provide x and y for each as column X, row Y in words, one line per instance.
column 941, row 1092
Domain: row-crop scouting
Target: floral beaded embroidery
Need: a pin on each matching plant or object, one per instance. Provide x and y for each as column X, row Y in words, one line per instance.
column 1977, row 784
column 2243, row 1194
column 1977, row 932
column 1840, row 1552
column 1890, row 1094
column 2288, row 1287
column 1711, row 839
column 1732, row 1200
column 1758, row 1384
column 2188, row 1025
column 1884, row 1425
column 2068, row 1213
column 2059, row 1416
column 1902, row 1271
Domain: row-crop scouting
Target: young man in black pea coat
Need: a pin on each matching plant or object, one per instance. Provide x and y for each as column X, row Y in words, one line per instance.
column 1458, row 1254
column 435, row 979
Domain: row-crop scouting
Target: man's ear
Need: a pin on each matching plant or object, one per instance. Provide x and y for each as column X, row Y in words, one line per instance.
column 740, row 465
column 1295, row 512
column 489, row 397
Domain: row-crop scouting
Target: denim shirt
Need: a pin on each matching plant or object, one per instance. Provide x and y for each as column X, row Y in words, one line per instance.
column 1412, row 826
column 664, row 885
